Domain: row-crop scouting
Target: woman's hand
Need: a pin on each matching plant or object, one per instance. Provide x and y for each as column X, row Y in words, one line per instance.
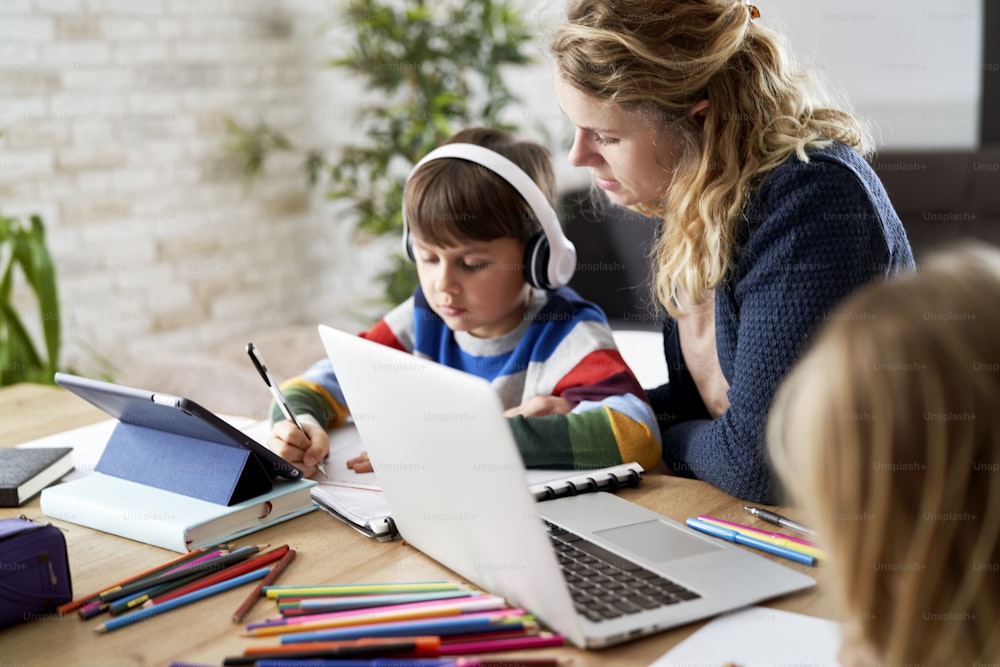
column 537, row 406
column 303, row 450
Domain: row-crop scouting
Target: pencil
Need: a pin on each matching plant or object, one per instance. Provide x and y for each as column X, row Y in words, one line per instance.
column 73, row 605
column 244, row 609
column 423, row 642
column 417, row 611
column 148, row 612
column 262, row 560
column 354, row 589
column 130, row 589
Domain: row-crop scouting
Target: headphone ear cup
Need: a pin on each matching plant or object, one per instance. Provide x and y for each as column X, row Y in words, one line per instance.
column 408, row 243
column 536, row 261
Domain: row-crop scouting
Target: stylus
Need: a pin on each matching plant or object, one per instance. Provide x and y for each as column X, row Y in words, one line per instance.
column 279, row 398
column 778, row 520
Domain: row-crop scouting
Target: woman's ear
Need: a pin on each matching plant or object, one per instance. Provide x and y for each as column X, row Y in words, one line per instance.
column 697, row 113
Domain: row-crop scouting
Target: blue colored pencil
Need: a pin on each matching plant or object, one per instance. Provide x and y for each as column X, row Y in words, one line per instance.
column 194, row 596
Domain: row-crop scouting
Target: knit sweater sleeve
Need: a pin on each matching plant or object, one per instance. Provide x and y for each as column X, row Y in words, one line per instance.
column 815, row 233
column 317, row 391
column 611, row 421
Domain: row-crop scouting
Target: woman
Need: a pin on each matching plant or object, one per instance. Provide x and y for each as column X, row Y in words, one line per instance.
column 689, row 110
column 887, row 437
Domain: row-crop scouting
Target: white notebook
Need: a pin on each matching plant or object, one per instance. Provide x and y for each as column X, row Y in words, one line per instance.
column 357, row 499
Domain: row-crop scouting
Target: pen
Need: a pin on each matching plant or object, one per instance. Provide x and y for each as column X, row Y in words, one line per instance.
column 746, row 540
column 279, row 398
column 778, row 520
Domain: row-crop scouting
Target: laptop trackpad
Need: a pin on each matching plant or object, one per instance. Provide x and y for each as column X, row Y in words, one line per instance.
column 657, row 541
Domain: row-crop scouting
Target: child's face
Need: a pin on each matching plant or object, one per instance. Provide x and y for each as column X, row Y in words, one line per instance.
column 475, row 286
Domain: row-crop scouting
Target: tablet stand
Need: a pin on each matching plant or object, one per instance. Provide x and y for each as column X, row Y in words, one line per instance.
column 211, row 471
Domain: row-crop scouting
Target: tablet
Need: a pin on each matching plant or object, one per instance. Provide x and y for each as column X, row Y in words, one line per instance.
column 172, row 414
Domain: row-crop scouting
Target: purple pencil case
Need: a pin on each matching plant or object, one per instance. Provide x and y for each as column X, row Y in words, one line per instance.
column 34, row 570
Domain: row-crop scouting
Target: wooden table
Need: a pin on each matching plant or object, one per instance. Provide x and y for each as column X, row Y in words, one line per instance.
column 328, row 552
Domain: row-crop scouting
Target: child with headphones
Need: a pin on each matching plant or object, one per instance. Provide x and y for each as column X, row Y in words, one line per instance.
column 493, row 263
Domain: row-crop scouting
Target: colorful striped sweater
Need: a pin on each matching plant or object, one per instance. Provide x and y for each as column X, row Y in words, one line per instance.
column 564, row 347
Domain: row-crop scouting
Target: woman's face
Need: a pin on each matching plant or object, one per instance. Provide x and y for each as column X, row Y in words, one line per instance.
column 629, row 154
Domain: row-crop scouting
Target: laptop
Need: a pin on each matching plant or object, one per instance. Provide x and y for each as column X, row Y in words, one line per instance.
column 450, row 469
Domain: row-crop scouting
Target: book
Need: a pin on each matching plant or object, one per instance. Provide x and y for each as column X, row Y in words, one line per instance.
column 25, row 472
column 167, row 519
column 357, row 499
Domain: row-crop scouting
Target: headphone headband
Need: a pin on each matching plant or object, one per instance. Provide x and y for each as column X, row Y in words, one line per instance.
column 562, row 254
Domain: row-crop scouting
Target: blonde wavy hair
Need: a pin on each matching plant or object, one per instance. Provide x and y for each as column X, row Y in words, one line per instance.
column 656, row 59
column 887, row 436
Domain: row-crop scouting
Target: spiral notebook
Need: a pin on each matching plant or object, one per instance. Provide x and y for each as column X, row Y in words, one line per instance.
column 357, row 500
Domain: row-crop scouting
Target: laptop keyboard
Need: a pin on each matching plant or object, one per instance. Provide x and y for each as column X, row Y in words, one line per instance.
column 604, row 585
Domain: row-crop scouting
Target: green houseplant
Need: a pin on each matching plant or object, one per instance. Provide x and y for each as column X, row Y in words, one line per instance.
column 437, row 66
column 23, row 250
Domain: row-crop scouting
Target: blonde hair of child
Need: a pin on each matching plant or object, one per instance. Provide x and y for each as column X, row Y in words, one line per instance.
column 887, row 435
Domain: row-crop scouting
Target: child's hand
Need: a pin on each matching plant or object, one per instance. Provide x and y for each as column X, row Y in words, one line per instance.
column 537, row 406
column 291, row 444
column 360, row 463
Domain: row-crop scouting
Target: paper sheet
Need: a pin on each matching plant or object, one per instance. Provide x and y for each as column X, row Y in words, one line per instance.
column 759, row 637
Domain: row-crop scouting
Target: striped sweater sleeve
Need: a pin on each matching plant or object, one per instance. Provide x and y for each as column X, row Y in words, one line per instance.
column 611, row 422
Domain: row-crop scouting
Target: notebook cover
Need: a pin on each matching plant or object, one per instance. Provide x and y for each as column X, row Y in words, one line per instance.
column 166, row 519
column 25, row 472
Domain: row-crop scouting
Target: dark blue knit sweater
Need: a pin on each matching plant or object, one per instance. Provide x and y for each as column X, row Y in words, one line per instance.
column 811, row 234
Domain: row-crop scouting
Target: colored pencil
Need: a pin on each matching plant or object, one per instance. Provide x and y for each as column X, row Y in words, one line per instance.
column 154, row 610
column 316, row 605
column 469, row 604
column 423, row 641
column 442, row 627
column 419, row 610
column 346, row 652
column 355, row 589
column 420, row 662
column 192, row 572
column 272, row 576
column 224, row 574
column 491, row 646
column 130, row 589
column 378, row 662
column 73, row 605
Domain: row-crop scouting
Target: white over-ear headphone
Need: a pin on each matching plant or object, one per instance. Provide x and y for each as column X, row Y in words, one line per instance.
column 550, row 257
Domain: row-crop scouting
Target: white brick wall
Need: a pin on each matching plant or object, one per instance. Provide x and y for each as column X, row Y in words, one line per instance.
column 112, row 113
column 113, row 116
